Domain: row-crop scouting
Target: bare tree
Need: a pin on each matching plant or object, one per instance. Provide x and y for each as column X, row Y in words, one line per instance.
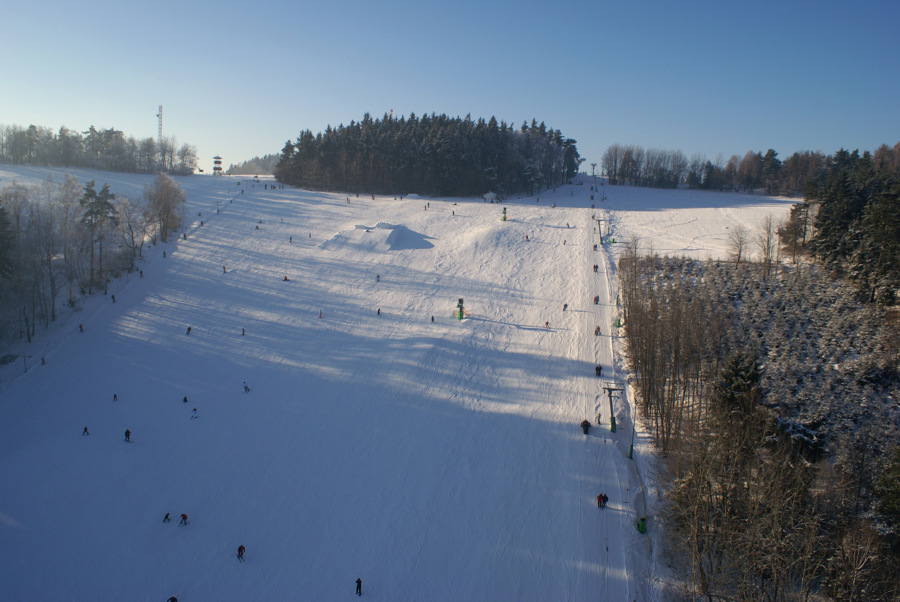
column 165, row 199
column 134, row 224
column 187, row 159
column 737, row 242
column 765, row 240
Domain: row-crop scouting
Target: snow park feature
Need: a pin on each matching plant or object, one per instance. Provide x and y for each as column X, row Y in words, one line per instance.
column 433, row 461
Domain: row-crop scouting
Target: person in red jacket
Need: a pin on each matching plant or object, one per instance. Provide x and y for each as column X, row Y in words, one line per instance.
column 183, row 520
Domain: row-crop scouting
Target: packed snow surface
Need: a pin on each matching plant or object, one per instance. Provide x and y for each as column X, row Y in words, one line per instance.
column 435, row 460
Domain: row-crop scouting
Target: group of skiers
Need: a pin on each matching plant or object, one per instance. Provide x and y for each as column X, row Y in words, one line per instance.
column 181, row 523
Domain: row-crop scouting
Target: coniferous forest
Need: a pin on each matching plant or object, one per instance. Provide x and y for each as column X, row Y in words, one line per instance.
column 431, row 155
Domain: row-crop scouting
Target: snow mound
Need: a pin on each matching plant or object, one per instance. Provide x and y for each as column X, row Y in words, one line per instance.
column 380, row 238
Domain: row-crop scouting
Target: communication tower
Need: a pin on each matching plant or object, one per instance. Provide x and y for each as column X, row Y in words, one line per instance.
column 217, row 165
column 159, row 128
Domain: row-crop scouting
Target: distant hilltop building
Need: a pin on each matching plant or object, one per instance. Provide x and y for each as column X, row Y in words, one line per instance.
column 217, row 165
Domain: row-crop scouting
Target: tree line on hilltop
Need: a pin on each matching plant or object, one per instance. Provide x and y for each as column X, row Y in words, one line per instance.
column 432, row 155
column 257, row 165
column 106, row 149
column 796, row 175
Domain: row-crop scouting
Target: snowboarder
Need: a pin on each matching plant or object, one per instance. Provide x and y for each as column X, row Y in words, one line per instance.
column 166, row 518
column 127, row 435
column 183, row 520
column 240, row 553
column 85, row 432
column 358, row 586
column 286, row 279
column 188, row 331
column 379, row 311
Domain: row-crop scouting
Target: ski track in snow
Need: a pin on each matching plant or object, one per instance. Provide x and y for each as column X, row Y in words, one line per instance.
column 438, row 461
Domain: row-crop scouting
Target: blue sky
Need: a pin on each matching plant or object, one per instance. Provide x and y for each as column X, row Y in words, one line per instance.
column 238, row 79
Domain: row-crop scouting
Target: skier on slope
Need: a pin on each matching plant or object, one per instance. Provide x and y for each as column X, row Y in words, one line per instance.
column 166, row 518
column 183, row 520
column 240, row 553
column 358, row 586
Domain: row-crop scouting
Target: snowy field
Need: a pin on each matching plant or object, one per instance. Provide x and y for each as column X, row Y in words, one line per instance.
column 434, row 460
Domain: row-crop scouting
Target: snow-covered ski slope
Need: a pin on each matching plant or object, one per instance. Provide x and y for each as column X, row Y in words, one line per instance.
column 436, row 461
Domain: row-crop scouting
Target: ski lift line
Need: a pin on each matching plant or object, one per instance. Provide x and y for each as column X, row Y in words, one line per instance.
column 625, row 389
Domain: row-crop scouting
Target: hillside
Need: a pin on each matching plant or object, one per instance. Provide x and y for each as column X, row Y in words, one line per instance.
column 434, row 460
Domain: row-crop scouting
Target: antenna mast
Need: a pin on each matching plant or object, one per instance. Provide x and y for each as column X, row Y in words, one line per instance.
column 159, row 130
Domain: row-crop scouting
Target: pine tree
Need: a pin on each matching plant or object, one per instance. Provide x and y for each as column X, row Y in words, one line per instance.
column 98, row 212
